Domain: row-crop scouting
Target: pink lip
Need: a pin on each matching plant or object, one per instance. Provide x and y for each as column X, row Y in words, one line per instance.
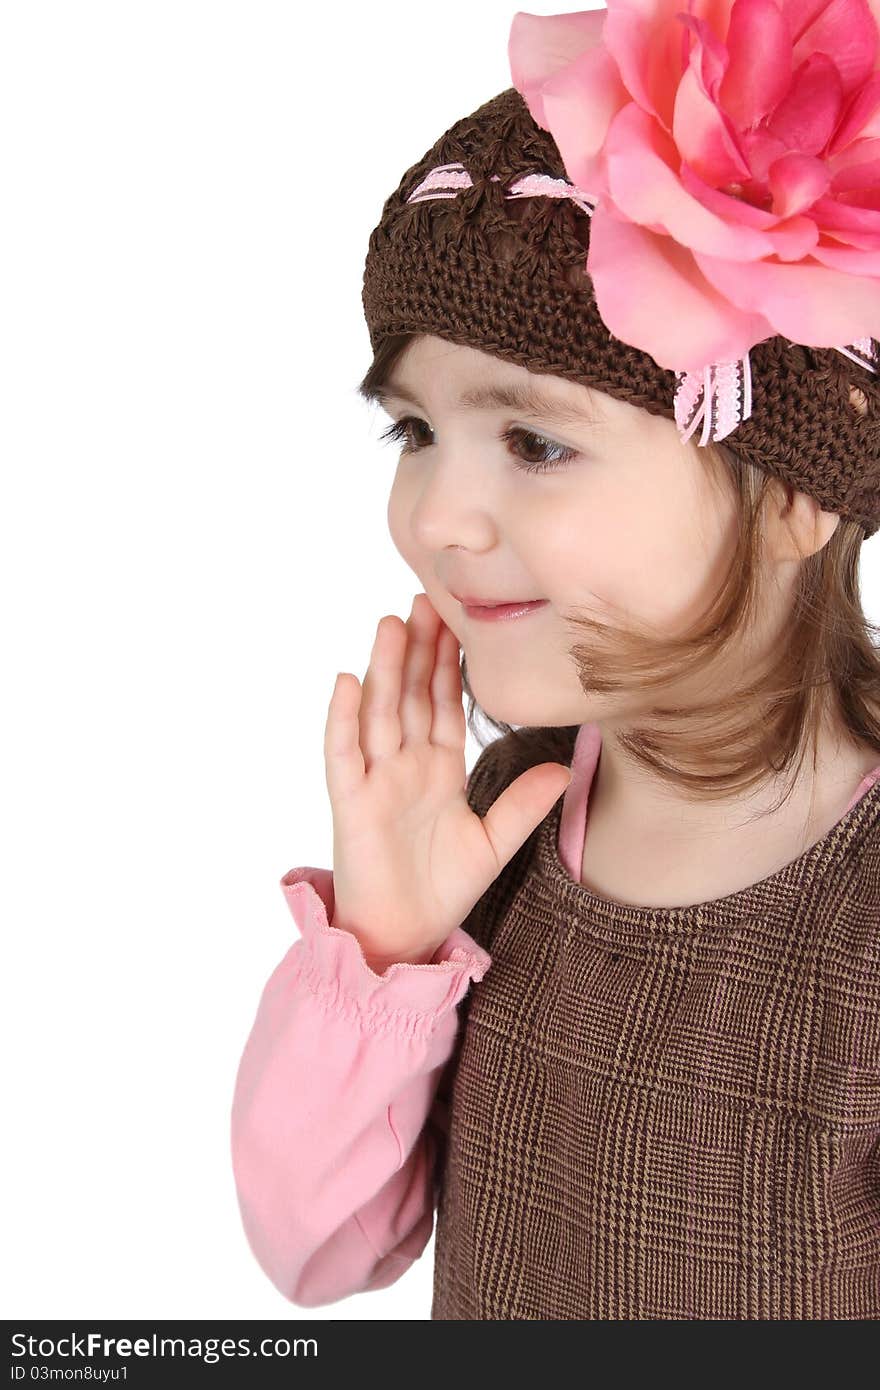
column 502, row 611
column 475, row 601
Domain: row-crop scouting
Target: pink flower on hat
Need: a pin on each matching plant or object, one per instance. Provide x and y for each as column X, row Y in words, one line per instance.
column 732, row 148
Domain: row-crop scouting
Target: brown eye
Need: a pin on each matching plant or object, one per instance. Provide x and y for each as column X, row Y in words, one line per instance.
column 538, row 444
column 400, row 431
column 549, row 455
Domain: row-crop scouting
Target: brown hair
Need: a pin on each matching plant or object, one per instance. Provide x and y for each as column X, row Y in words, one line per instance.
column 828, row 664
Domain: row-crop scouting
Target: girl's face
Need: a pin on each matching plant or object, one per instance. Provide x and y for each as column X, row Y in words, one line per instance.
column 623, row 523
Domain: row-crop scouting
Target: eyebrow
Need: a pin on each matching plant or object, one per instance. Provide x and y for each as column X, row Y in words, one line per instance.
column 526, row 399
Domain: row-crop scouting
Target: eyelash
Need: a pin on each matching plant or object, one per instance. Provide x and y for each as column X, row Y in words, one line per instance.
column 399, row 431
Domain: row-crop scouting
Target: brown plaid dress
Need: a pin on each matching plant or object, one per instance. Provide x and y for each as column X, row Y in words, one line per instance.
column 666, row 1113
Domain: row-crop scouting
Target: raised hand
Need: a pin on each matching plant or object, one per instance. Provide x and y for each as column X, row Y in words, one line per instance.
column 410, row 857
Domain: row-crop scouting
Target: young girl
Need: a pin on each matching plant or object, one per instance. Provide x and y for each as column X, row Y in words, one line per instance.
column 611, row 1004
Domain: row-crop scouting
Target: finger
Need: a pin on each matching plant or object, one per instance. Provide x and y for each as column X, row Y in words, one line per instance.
column 343, row 760
column 449, row 725
column 522, row 806
column 415, row 696
column 380, row 703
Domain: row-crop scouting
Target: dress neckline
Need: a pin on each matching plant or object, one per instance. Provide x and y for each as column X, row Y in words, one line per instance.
column 561, row 846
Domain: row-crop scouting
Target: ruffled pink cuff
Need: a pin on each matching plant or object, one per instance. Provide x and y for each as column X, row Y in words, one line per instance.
column 407, row 998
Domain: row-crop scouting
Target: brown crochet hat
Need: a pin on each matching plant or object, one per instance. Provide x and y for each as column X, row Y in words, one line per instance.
column 457, row 254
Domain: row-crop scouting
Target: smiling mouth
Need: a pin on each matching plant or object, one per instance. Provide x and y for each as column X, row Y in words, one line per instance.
column 471, row 601
column 499, row 612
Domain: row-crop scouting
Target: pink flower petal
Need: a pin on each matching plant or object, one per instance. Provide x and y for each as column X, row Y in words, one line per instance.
column 852, row 260
column 858, row 255
column 794, row 237
column 651, row 294
column 761, row 150
column 836, row 216
column 796, row 181
column 647, row 190
column 846, row 32
column 733, row 150
column 541, row 45
column 846, row 167
column 807, row 302
column 860, row 117
column 848, row 233
column 759, row 45
column 579, row 103
column 646, row 40
column 806, row 118
column 704, row 135
column 790, row 238
column 726, row 204
column 706, row 54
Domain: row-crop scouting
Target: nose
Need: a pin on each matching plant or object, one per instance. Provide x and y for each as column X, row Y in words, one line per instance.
column 454, row 504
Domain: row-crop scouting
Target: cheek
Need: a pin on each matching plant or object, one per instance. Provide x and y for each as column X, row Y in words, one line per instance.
column 398, row 516
column 648, row 560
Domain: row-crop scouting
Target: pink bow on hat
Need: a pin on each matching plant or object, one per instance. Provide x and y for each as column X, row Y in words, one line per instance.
column 733, row 157
column 721, row 394
column 732, row 150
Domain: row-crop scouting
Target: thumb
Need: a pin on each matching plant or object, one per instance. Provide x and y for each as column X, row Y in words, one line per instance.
column 522, row 806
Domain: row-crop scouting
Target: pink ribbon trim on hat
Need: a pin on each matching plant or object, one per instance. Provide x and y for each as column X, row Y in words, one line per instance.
column 721, row 394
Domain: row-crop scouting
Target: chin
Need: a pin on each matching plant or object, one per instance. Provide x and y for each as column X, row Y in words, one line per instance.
column 527, row 710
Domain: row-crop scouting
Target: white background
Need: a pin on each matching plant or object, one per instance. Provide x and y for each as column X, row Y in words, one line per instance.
column 193, row 544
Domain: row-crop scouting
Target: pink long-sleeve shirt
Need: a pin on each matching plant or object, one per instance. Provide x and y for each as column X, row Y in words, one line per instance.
column 337, row 1112
column 335, row 1104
